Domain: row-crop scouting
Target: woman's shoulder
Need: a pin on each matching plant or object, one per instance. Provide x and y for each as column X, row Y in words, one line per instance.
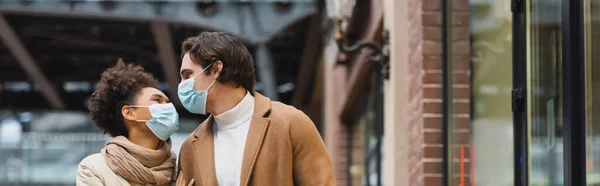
column 87, row 174
column 92, row 164
column 92, row 160
column 93, row 170
column 93, row 157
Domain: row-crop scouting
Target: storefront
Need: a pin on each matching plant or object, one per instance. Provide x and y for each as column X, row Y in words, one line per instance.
column 481, row 92
column 538, row 126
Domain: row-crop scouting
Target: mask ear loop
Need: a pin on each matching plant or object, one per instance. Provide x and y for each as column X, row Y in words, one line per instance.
column 213, row 82
column 202, row 71
column 134, row 106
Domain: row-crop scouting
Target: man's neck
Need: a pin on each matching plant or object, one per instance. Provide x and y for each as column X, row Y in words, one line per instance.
column 144, row 139
column 226, row 100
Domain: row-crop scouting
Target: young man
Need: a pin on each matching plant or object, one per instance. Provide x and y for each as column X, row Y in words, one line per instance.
column 247, row 139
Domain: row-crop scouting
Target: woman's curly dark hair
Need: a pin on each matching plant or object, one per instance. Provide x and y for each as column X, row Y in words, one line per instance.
column 118, row 86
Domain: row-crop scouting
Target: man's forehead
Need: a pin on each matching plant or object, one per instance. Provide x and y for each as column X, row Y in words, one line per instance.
column 186, row 63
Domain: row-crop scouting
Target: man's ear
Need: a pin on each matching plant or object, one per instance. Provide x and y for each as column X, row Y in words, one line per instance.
column 218, row 68
column 128, row 113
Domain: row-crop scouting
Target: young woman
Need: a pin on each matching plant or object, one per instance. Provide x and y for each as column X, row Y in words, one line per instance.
column 127, row 105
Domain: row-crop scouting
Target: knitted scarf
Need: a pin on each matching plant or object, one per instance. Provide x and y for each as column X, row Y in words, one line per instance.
column 138, row 164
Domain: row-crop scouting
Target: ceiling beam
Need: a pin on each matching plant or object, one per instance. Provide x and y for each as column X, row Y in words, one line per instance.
column 312, row 47
column 29, row 65
column 266, row 71
column 265, row 24
column 166, row 53
column 361, row 66
column 90, row 42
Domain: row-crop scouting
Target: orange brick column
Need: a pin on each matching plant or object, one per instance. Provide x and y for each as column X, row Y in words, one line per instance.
column 418, row 91
column 433, row 152
column 461, row 92
column 432, row 159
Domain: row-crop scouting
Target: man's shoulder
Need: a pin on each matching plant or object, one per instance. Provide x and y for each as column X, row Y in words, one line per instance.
column 283, row 110
column 288, row 114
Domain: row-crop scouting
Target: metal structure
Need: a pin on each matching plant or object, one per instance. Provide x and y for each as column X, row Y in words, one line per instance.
column 28, row 63
column 61, row 47
column 379, row 54
column 253, row 22
column 53, row 52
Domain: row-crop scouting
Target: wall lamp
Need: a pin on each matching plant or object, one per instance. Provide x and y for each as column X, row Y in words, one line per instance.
column 379, row 53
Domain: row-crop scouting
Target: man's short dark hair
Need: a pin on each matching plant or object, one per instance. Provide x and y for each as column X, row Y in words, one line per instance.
column 238, row 65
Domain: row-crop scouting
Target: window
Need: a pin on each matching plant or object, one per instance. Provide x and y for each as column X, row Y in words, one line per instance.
column 478, row 84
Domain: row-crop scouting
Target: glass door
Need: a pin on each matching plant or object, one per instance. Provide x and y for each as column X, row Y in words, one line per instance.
column 555, row 64
column 592, row 87
column 544, row 92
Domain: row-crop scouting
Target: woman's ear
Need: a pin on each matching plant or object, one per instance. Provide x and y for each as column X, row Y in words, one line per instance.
column 128, row 113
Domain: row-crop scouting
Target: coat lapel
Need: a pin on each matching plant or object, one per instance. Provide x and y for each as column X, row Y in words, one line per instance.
column 203, row 147
column 256, row 134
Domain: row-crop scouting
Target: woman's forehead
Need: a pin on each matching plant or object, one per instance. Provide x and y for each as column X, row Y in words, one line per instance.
column 150, row 91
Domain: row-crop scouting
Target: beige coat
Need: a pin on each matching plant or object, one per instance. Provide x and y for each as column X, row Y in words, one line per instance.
column 93, row 171
column 283, row 147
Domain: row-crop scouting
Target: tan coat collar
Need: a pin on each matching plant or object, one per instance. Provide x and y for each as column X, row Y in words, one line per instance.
column 203, row 142
column 262, row 108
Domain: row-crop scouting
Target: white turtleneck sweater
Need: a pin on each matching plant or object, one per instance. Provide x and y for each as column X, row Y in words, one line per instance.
column 230, row 132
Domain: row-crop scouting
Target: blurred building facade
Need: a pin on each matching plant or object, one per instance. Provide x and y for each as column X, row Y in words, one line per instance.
column 480, row 92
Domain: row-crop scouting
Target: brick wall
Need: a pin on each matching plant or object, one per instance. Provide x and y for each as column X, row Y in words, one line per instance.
column 424, row 111
column 356, row 165
column 335, row 131
column 432, row 87
column 461, row 59
column 341, row 173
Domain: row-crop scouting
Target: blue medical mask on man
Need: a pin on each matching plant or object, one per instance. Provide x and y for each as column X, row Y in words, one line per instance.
column 164, row 121
column 192, row 100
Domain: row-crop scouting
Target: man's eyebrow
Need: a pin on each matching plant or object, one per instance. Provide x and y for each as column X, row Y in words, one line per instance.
column 184, row 71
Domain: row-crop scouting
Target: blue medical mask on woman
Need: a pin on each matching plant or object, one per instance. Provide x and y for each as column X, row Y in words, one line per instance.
column 193, row 101
column 164, row 121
